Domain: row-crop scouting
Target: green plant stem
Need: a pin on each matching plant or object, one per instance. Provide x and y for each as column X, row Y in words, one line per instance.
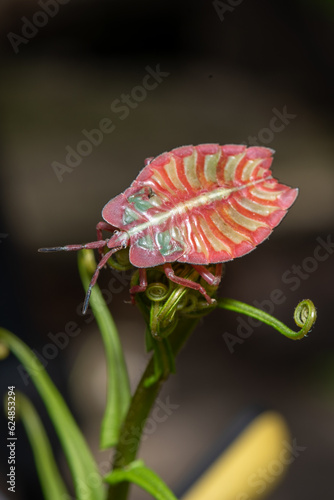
column 305, row 315
column 140, row 408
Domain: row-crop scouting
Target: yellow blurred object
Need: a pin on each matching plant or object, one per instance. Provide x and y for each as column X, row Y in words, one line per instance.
column 251, row 466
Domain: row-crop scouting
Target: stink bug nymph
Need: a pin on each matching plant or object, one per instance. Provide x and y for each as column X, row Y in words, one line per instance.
column 199, row 205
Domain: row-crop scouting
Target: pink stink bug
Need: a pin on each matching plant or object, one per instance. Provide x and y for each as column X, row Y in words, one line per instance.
column 199, row 205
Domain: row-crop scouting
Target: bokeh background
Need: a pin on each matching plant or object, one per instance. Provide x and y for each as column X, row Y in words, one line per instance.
column 226, row 69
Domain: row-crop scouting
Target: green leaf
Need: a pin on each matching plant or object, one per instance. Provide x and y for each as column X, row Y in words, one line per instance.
column 51, row 481
column 118, row 392
column 87, row 481
column 144, row 477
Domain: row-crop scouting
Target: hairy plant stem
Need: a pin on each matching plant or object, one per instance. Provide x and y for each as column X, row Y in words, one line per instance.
column 141, row 405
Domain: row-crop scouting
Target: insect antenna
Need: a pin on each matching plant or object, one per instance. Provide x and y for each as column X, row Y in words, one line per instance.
column 118, row 241
column 68, row 248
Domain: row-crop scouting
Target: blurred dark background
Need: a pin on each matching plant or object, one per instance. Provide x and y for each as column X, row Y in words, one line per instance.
column 226, row 69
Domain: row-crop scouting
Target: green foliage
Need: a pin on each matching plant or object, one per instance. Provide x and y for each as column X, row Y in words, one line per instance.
column 171, row 313
column 118, row 391
column 52, row 484
column 87, row 481
column 305, row 315
column 139, row 474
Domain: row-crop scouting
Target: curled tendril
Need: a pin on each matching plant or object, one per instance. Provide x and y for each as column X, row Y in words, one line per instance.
column 196, row 307
column 120, row 260
column 164, row 302
column 305, row 315
column 157, row 292
column 188, row 304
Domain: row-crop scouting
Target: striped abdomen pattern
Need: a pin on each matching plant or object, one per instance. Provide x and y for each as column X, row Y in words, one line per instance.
column 200, row 204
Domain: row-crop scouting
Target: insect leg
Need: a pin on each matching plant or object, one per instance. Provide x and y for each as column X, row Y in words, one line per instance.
column 187, row 283
column 103, row 226
column 95, row 276
column 212, row 279
column 142, row 284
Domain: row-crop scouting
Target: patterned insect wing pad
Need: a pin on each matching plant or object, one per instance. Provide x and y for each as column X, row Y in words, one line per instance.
column 200, row 204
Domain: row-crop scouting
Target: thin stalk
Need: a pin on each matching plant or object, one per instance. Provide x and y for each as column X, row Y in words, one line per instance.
column 140, row 408
column 305, row 315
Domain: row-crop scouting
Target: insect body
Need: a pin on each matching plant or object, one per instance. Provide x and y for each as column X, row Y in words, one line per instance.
column 199, row 205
